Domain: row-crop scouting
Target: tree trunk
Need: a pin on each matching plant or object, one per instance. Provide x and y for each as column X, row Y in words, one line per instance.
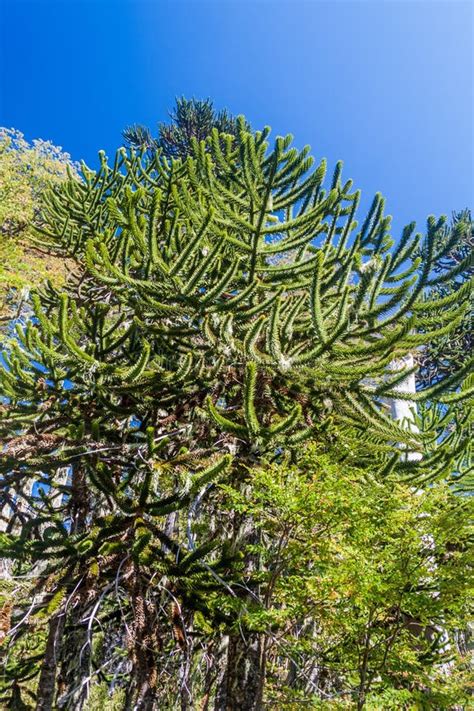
column 75, row 662
column 47, row 680
column 241, row 688
column 75, row 650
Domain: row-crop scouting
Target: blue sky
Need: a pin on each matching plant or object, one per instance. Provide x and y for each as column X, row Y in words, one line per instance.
column 385, row 85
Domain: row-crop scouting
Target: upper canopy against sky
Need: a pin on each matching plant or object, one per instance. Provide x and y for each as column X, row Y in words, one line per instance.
column 386, row 86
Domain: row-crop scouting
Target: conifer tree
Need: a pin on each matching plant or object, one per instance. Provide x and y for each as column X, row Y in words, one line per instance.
column 444, row 355
column 190, row 119
column 227, row 310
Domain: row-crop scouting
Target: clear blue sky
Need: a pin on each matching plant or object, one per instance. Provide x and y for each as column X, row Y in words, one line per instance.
column 385, row 85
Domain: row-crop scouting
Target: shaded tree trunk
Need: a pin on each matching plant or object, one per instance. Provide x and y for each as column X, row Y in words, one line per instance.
column 241, row 688
column 75, row 650
column 75, row 661
column 47, row 680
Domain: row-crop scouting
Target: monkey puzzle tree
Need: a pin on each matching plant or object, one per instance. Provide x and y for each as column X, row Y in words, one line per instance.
column 191, row 119
column 444, row 355
column 228, row 309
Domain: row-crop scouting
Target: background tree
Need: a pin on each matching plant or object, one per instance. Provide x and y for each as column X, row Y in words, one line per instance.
column 349, row 569
column 229, row 312
column 191, row 119
column 26, row 172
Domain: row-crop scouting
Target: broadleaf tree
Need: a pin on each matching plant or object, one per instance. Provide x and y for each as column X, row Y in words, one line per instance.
column 26, row 172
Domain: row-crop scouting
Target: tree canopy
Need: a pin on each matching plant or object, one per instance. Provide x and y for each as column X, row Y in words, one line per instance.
column 190, row 119
column 26, row 171
column 224, row 514
column 445, row 354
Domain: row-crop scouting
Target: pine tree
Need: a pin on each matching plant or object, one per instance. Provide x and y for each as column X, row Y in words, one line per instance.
column 227, row 309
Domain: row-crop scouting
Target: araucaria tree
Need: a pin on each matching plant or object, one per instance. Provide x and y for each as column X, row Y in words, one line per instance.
column 445, row 354
column 226, row 317
column 191, row 120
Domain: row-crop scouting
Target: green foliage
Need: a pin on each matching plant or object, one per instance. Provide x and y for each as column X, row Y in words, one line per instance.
column 227, row 309
column 191, row 119
column 101, row 700
column 26, row 172
column 361, row 583
column 445, row 354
